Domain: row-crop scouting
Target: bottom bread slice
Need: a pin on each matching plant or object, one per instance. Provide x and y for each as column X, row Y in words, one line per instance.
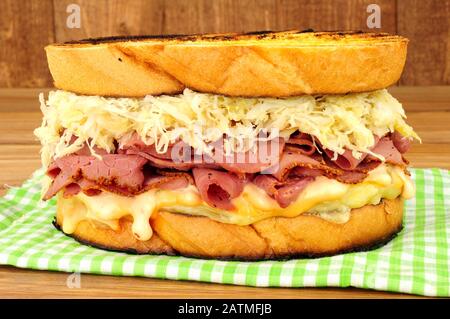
column 274, row 238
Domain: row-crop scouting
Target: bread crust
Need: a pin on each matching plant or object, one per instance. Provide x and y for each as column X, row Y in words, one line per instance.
column 272, row 238
column 272, row 64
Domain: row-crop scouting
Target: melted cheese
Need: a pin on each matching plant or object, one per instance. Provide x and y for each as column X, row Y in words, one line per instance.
column 326, row 198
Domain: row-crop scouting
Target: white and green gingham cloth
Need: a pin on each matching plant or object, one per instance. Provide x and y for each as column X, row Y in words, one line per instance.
column 416, row 261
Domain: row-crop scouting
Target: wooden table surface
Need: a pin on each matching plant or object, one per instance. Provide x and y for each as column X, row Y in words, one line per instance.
column 428, row 111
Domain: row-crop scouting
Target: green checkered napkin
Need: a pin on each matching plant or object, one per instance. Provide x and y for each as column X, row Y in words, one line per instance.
column 417, row 261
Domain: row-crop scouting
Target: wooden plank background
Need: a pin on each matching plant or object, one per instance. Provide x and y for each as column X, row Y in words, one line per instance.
column 26, row 26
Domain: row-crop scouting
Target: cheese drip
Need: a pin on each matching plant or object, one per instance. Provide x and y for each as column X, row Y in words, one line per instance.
column 325, row 198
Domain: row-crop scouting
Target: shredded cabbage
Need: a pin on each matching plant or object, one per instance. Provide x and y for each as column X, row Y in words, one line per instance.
column 337, row 121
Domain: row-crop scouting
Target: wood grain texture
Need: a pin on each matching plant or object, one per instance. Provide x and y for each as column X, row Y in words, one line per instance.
column 17, row 127
column 427, row 109
column 333, row 15
column 427, row 25
column 102, row 18
column 20, row 99
column 423, row 98
column 121, row 17
column 20, row 283
column 419, row 98
column 25, row 28
column 18, row 162
column 199, row 16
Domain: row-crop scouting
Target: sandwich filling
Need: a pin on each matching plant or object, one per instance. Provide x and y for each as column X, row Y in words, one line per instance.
column 235, row 160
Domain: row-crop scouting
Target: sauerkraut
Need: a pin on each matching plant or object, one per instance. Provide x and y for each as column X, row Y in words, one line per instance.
column 339, row 122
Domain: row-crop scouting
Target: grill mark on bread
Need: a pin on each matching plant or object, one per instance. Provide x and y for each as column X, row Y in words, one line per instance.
column 146, row 64
column 112, row 39
column 223, row 37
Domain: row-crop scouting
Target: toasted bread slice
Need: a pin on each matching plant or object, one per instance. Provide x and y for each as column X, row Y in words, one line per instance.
column 273, row 64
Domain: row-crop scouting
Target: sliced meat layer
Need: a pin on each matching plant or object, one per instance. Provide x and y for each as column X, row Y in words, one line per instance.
column 182, row 157
column 386, row 148
column 177, row 152
column 161, row 162
column 302, row 142
column 400, row 142
column 293, row 160
column 346, row 160
column 218, row 188
column 117, row 173
column 391, row 147
column 280, row 167
column 113, row 169
column 168, row 180
column 266, row 154
column 283, row 192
